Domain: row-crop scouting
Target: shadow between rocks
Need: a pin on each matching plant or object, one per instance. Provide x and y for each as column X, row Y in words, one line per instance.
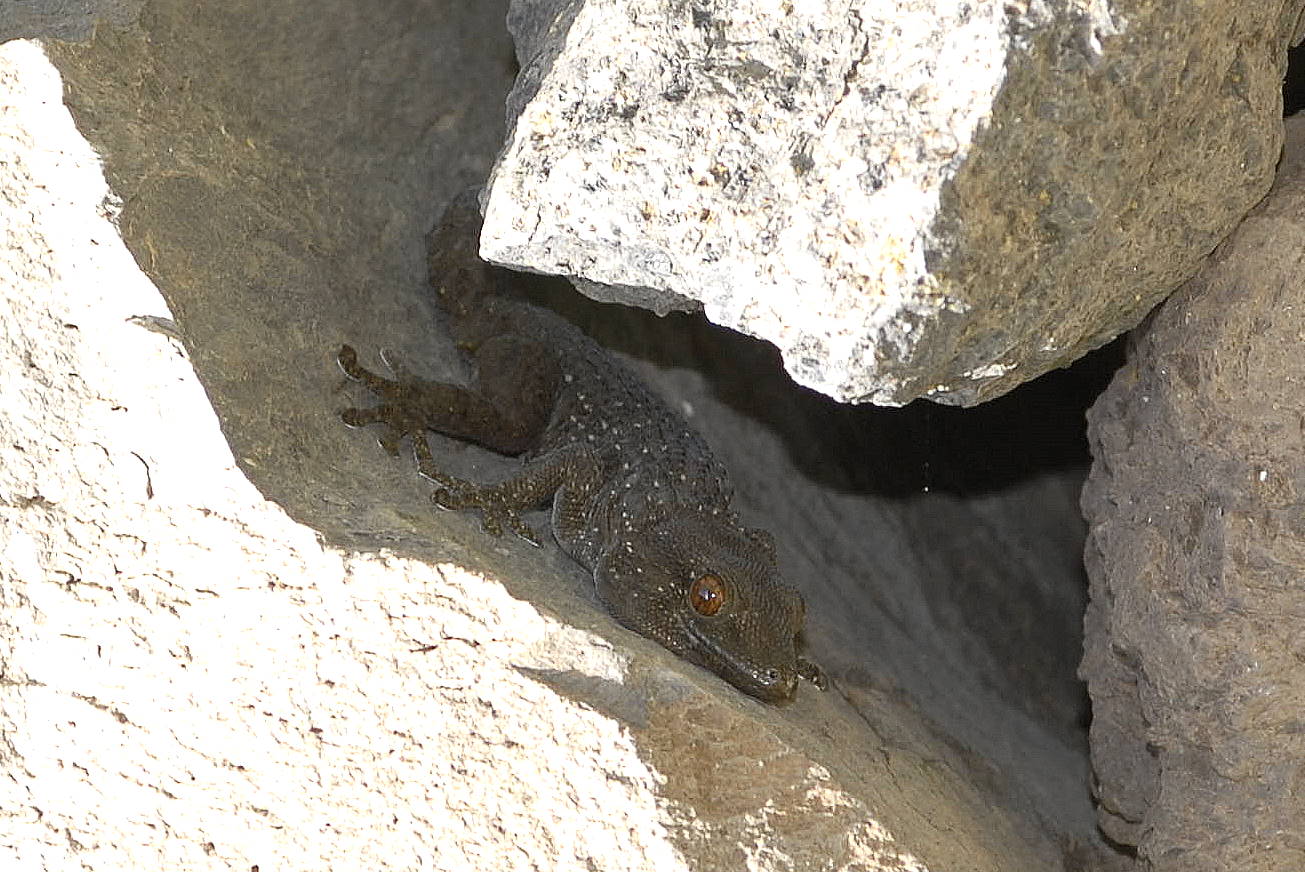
column 1037, row 429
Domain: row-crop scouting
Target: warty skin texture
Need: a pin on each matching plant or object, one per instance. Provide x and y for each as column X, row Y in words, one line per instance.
column 637, row 497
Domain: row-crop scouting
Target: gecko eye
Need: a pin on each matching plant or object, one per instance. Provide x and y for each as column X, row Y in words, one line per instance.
column 707, row 595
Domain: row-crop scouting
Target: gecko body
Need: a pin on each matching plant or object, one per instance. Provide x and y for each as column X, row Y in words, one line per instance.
column 638, row 499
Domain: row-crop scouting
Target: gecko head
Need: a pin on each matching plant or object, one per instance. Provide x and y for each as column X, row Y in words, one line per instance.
column 711, row 592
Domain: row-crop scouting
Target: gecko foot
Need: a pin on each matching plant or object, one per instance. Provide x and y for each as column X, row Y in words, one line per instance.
column 457, row 494
column 388, row 414
column 495, row 514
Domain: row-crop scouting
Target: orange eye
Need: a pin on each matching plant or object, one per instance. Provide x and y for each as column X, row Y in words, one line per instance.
column 707, row 594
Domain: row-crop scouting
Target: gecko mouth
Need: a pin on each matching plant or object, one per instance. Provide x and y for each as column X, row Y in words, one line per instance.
column 764, row 682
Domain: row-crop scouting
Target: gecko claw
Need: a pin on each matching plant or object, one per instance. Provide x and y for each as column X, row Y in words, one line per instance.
column 449, row 499
column 444, row 499
column 347, row 359
column 523, row 530
column 395, row 365
column 390, row 441
column 812, row 673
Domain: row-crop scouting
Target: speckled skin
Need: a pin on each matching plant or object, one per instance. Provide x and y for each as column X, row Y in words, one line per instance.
column 638, row 498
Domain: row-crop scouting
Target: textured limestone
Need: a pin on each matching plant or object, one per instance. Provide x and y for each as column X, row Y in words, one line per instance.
column 909, row 198
column 1196, row 631
column 278, row 166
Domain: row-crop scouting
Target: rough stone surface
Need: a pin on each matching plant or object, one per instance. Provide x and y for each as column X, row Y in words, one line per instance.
column 64, row 19
column 912, row 198
column 1196, row 631
column 278, row 166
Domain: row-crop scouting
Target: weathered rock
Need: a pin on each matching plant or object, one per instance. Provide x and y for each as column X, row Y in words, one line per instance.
column 909, row 199
column 278, row 165
column 64, row 19
column 1196, row 630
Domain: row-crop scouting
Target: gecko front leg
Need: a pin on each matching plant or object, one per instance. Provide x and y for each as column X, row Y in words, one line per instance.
column 487, row 414
column 568, row 476
column 505, row 409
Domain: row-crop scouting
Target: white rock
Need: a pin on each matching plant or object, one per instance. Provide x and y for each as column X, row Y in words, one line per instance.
column 192, row 680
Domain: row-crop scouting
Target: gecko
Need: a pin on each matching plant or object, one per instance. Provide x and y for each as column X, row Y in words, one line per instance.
column 638, row 499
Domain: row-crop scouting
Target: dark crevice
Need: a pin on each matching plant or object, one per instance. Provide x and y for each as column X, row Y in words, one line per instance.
column 1293, row 86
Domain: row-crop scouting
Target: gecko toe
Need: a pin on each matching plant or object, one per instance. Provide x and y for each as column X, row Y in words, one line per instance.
column 522, row 529
column 390, row 441
column 445, row 499
column 347, row 359
column 394, row 363
column 812, row 673
column 491, row 525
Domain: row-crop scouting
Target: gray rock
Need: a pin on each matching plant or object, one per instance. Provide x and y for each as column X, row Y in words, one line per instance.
column 908, row 199
column 1196, row 630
